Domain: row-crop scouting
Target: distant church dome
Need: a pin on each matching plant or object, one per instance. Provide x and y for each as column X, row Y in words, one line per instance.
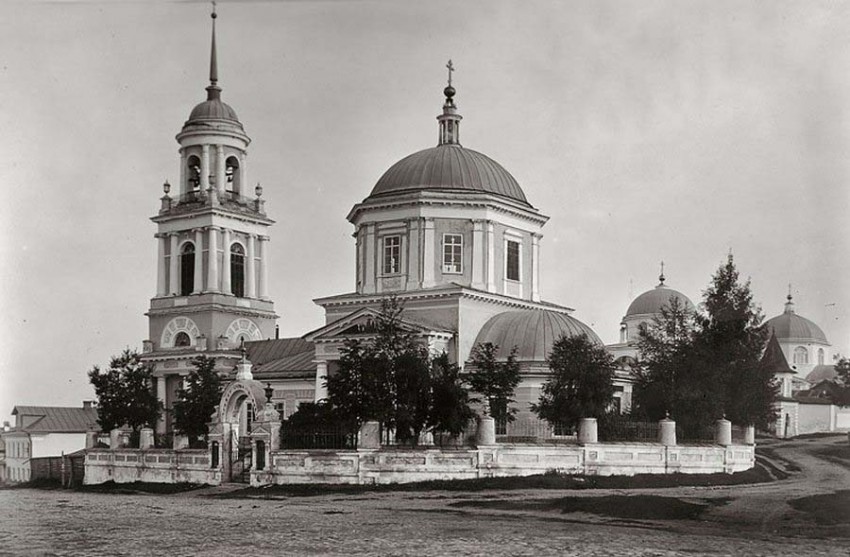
column 651, row 301
column 449, row 168
column 789, row 326
column 532, row 331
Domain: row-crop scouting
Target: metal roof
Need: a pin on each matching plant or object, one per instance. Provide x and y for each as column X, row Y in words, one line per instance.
column 532, row 331
column 53, row 419
column 773, row 359
column 263, row 351
column 793, row 327
column 653, row 300
column 449, row 168
column 821, row 373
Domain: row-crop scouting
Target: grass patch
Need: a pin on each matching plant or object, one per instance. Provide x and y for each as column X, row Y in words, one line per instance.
column 771, row 453
column 831, row 509
column 641, row 507
column 544, row 481
column 140, row 487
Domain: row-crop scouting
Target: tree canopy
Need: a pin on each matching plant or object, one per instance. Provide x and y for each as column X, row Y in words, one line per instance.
column 701, row 366
column 495, row 380
column 125, row 394
column 580, row 385
column 197, row 400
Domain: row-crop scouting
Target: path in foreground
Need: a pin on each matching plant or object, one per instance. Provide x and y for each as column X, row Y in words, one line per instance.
column 745, row 520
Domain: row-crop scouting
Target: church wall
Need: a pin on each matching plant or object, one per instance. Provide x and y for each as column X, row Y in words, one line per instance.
column 813, row 418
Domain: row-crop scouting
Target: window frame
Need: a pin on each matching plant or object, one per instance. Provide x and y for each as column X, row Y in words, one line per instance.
column 452, row 251
column 518, row 259
column 394, row 267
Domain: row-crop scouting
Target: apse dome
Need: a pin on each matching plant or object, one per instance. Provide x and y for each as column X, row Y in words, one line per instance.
column 532, row 331
column 449, row 168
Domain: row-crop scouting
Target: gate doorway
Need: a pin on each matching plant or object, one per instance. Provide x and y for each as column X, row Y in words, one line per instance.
column 240, row 466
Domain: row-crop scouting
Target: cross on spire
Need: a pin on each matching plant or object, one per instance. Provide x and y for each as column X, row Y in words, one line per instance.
column 451, row 68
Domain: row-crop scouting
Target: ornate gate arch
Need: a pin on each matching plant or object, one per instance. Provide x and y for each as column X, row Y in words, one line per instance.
column 230, row 427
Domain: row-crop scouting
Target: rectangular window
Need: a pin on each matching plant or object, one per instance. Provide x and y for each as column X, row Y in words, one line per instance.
column 452, row 253
column 512, row 260
column 392, row 255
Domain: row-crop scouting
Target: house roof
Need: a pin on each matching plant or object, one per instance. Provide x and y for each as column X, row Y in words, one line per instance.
column 290, row 358
column 56, row 419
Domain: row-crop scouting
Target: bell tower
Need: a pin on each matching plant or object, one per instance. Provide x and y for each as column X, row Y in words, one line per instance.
column 212, row 255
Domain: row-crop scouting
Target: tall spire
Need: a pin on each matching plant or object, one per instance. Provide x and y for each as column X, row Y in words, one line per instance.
column 213, row 90
column 661, row 277
column 449, row 119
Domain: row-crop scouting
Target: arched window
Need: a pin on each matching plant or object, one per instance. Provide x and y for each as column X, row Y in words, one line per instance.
column 193, row 173
column 187, row 269
column 820, row 356
column 231, row 170
column 801, row 355
column 182, row 340
column 237, row 270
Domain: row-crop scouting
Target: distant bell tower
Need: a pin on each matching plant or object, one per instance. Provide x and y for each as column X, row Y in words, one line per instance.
column 212, row 256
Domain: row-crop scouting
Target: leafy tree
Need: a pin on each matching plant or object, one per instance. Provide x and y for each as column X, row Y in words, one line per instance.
column 842, row 371
column 665, row 347
column 450, row 410
column 197, row 400
column 495, row 380
column 125, row 393
column 581, row 383
column 702, row 366
column 386, row 379
column 730, row 343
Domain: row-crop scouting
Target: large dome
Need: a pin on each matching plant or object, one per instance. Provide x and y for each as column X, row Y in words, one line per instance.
column 789, row 326
column 532, row 331
column 449, row 168
column 652, row 301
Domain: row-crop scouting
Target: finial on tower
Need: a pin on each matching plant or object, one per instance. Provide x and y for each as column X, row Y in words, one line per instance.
column 213, row 91
column 661, row 277
column 449, row 119
column 789, row 305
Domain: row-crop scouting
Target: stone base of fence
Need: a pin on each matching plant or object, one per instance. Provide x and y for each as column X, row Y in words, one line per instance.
column 152, row 465
column 383, row 466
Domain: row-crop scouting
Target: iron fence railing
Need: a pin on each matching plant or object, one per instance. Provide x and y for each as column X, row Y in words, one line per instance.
column 326, row 437
column 625, row 428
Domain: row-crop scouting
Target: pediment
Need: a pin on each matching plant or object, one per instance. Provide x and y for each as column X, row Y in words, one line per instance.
column 363, row 324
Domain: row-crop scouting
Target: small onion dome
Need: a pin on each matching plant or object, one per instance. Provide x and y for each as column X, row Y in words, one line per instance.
column 449, row 168
column 821, row 373
column 532, row 331
column 789, row 326
column 651, row 301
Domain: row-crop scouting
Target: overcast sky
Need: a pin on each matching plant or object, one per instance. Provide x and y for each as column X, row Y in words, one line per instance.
column 645, row 130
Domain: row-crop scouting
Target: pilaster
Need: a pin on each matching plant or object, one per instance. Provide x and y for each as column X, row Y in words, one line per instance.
column 174, row 267
column 535, row 267
column 161, row 286
column 370, row 261
column 250, row 268
column 428, row 253
column 264, row 267
column 225, row 261
column 491, row 257
column 220, row 173
column 198, row 287
column 212, row 259
column 205, row 167
column 478, row 260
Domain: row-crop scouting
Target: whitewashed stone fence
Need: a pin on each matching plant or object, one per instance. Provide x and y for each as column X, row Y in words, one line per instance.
column 373, row 464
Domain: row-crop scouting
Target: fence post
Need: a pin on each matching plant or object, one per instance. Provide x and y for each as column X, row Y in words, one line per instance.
column 723, row 435
column 667, row 432
column 115, row 439
column 370, row 436
column 145, row 438
column 486, row 431
column 587, row 431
